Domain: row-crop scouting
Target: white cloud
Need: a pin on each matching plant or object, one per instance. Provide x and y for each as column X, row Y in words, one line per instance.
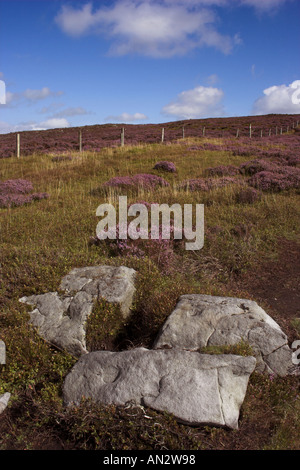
column 212, row 79
column 197, row 103
column 52, row 123
column 30, row 95
column 149, row 27
column 157, row 28
column 126, row 117
column 76, row 111
column 280, row 99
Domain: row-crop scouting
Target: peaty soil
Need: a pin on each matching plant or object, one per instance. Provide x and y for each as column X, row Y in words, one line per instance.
column 274, row 285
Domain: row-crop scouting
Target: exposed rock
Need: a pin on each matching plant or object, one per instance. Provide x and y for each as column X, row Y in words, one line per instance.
column 2, row 352
column 4, row 399
column 60, row 318
column 203, row 320
column 195, row 388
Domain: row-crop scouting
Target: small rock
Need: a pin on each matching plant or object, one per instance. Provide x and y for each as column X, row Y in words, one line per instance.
column 2, row 352
column 4, row 399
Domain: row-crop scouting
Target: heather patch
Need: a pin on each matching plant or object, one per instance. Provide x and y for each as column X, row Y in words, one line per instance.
column 162, row 252
column 16, row 186
column 14, row 193
column 206, row 184
column 143, row 180
column 271, row 181
column 255, row 166
column 165, row 166
column 222, row 170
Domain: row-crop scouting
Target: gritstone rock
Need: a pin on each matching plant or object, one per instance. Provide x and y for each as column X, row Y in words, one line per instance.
column 195, row 388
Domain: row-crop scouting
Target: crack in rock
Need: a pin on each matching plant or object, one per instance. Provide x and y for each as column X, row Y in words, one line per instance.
column 195, row 388
column 220, row 321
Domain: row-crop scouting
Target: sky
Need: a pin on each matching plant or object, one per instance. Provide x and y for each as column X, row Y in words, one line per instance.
column 70, row 63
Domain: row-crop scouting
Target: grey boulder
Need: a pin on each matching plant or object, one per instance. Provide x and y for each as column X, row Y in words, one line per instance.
column 195, row 388
column 204, row 320
column 2, row 352
column 4, row 399
column 60, row 317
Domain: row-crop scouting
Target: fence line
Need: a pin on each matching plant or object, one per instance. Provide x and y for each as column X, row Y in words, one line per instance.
column 122, row 137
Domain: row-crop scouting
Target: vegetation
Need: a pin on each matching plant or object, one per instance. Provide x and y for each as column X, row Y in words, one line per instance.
column 42, row 240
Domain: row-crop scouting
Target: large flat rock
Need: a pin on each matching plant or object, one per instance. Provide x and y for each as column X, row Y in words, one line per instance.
column 195, row 388
column 60, row 317
column 204, row 320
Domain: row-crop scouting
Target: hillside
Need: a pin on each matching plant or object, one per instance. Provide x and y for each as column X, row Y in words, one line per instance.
column 48, row 201
column 96, row 137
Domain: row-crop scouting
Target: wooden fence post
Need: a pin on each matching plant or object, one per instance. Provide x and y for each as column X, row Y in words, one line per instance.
column 270, row 132
column 80, row 141
column 261, row 133
column 122, row 137
column 250, row 131
column 281, row 131
column 183, row 132
column 203, row 131
column 237, row 133
column 162, row 135
column 18, row 146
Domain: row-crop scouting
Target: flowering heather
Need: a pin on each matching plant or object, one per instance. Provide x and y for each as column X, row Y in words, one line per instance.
column 165, row 166
column 15, row 193
column 143, row 180
column 222, row 170
column 255, row 166
column 161, row 251
column 205, row 184
column 17, row 186
column 271, row 181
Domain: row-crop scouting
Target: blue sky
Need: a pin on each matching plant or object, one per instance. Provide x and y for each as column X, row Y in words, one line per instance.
column 73, row 63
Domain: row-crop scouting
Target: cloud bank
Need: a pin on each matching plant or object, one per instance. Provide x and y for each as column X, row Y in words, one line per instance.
column 149, row 27
column 127, row 118
column 196, row 103
column 279, row 99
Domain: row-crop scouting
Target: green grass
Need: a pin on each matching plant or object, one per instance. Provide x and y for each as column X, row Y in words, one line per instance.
column 42, row 241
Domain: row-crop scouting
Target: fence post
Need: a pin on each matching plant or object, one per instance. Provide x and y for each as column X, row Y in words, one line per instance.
column 80, row 141
column 270, row 132
column 18, row 146
column 261, row 133
column 250, row 131
column 183, row 132
column 237, row 133
column 203, row 131
column 162, row 135
column 276, row 130
column 281, row 131
column 122, row 136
